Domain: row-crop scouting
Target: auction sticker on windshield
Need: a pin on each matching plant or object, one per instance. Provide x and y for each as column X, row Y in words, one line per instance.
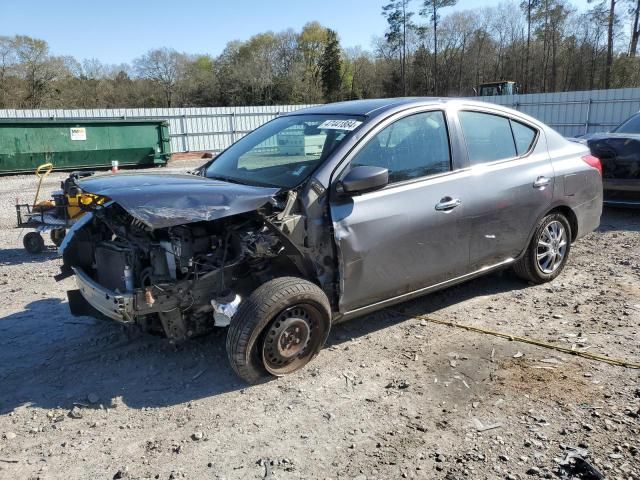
column 340, row 125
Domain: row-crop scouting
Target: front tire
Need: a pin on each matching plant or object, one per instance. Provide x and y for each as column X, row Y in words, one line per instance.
column 278, row 329
column 547, row 252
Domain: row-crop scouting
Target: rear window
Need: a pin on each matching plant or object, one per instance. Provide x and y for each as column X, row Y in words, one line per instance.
column 491, row 138
column 523, row 135
column 488, row 137
column 631, row 125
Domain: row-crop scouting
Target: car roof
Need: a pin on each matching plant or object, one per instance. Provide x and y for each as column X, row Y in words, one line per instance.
column 377, row 106
column 368, row 107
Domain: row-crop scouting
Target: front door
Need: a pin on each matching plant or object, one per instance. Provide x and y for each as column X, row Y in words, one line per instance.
column 409, row 234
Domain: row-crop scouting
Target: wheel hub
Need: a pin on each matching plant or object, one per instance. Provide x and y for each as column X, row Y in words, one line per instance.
column 287, row 341
column 293, row 338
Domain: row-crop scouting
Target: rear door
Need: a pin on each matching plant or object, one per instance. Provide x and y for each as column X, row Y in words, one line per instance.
column 409, row 234
column 511, row 184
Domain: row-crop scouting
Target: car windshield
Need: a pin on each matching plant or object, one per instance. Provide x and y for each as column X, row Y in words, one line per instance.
column 630, row 125
column 283, row 152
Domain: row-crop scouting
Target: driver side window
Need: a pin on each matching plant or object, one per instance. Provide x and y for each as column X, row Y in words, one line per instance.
column 412, row 147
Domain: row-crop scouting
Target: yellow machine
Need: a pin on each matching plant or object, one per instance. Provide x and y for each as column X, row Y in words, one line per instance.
column 51, row 215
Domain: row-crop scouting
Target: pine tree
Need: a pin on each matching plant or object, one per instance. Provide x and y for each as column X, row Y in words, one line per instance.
column 430, row 9
column 399, row 19
column 331, row 67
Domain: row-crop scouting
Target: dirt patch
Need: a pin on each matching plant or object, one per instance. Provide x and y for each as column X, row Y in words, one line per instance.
column 538, row 378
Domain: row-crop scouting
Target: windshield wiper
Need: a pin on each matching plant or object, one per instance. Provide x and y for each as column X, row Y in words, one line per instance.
column 227, row 179
column 240, row 182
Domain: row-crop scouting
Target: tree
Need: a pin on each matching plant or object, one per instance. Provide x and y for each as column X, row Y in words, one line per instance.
column 528, row 6
column 399, row 20
column 595, row 28
column 330, row 67
column 164, row 67
column 312, row 42
column 635, row 28
column 198, row 85
column 361, row 79
column 431, row 8
column 420, row 71
column 37, row 68
column 7, row 62
column 550, row 16
column 611, row 22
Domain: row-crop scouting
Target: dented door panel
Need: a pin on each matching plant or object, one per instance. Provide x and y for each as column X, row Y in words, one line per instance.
column 394, row 241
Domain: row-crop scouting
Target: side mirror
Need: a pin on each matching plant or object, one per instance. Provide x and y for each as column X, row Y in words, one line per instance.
column 363, row 179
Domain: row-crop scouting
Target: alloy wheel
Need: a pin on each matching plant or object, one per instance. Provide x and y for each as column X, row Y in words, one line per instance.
column 552, row 247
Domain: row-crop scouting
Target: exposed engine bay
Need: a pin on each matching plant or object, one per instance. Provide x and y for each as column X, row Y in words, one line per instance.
column 180, row 281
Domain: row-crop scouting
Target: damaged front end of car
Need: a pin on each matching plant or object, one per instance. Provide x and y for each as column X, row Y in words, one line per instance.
column 176, row 254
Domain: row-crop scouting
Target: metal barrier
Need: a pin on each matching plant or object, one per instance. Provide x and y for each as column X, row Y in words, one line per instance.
column 575, row 113
column 215, row 128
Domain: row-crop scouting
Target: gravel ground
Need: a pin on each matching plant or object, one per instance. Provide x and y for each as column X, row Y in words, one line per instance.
column 391, row 396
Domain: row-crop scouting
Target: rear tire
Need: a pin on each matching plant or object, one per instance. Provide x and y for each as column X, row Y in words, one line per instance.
column 547, row 252
column 33, row 242
column 278, row 329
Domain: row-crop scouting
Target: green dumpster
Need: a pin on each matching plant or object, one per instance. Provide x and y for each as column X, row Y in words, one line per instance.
column 75, row 144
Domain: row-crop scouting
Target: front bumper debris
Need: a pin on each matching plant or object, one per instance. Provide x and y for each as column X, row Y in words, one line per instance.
column 115, row 305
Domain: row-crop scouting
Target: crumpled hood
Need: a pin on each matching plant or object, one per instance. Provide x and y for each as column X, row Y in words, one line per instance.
column 163, row 200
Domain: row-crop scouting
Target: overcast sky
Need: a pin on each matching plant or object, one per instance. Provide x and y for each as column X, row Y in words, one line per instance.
column 117, row 31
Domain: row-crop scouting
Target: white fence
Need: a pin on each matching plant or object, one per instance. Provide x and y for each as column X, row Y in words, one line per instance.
column 576, row 113
column 190, row 129
column 215, row 128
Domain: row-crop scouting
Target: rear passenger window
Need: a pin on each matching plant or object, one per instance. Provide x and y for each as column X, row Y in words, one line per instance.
column 523, row 135
column 412, row 147
column 488, row 137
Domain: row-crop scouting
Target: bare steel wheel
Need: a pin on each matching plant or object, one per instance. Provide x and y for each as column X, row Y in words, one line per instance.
column 278, row 329
column 548, row 251
column 290, row 339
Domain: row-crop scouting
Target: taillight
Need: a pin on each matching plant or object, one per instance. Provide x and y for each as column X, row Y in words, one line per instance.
column 593, row 162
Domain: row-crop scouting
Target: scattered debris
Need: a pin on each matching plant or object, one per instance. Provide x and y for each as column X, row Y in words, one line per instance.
column 574, row 466
column 75, row 413
column 399, row 384
column 121, row 474
column 480, row 427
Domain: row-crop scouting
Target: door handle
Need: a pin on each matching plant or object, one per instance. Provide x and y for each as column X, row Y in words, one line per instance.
column 447, row 204
column 541, row 182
